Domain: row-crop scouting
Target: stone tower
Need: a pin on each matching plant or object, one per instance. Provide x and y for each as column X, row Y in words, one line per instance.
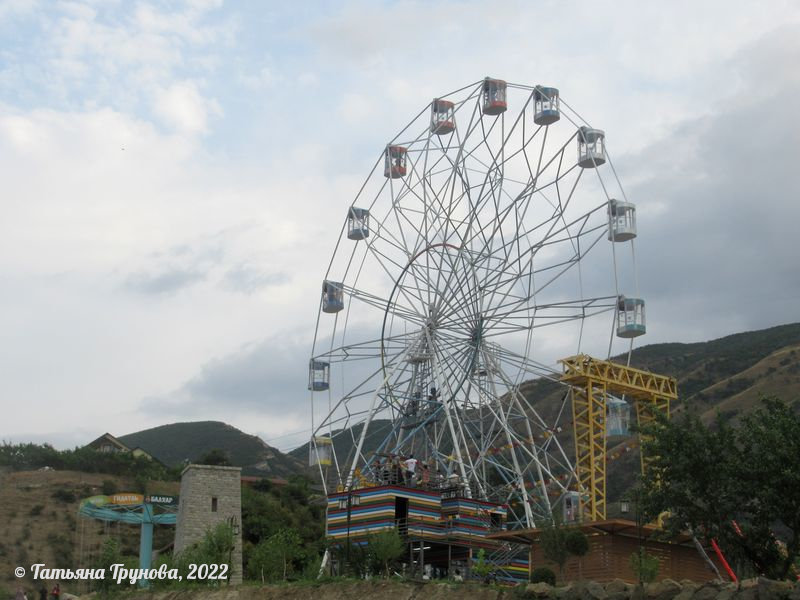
column 210, row 495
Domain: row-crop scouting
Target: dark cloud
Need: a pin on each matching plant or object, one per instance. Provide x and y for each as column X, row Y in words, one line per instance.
column 718, row 206
column 266, row 376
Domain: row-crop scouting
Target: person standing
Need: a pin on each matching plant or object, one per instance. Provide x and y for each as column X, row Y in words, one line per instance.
column 56, row 593
column 411, row 468
column 43, row 592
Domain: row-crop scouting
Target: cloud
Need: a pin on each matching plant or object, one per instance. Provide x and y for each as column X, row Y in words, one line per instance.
column 719, row 254
column 259, row 381
column 164, row 282
column 182, row 107
column 249, row 279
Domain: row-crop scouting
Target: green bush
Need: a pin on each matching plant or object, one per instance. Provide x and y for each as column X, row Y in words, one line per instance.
column 28, row 457
column 62, row 550
column 36, row 510
column 64, row 495
column 273, row 559
column 645, row 566
column 109, row 555
column 521, row 592
column 543, row 575
column 481, row 567
column 384, row 549
column 109, row 487
column 215, row 548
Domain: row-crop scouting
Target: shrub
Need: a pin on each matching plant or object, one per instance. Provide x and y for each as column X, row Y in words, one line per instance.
column 109, row 487
column 481, row 567
column 543, row 575
column 385, row 548
column 36, row 510
column 272, row 559
column 216, row 547
column 645, row 566
column 521, row 592
column 64, row 495
column 62, row 550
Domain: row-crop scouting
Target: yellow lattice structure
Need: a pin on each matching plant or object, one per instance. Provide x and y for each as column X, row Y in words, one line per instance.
column 591, row 380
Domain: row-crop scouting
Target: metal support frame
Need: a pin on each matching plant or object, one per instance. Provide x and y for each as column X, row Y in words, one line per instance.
column 589, row 419
column 591, row 381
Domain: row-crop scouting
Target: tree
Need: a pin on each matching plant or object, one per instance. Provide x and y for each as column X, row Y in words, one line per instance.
column 482, row 568
column 386, row 547
column 577, row 544
column 770, row 444
column 215, row 456
column 554, row 543
column 709, row 476
column 273, row 558
column 216, row 547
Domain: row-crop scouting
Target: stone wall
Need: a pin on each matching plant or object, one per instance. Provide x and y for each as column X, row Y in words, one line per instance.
column 755, row 589
column 210, row 495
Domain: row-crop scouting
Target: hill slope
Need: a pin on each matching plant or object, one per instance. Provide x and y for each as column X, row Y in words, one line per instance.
column 175, row 443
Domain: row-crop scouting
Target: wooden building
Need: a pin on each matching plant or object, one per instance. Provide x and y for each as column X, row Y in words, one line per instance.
column 611, row 543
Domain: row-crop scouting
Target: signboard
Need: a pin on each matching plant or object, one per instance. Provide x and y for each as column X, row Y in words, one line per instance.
column 96, row 500
column 162, row 500
column 127, row 498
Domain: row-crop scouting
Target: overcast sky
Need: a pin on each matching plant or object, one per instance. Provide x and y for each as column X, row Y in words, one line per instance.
column 174, row 176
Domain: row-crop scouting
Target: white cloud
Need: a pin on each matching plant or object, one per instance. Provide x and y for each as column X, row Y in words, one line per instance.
column 182, row 107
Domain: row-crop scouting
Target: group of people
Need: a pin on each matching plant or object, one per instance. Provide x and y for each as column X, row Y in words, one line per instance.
column 396, row 470
column 411, row 472
column 55, row 593
column 432, row 404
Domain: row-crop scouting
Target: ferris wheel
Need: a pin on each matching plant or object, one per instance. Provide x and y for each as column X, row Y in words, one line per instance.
column 482, row 244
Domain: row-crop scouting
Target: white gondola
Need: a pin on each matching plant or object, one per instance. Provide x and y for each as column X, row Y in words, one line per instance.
column 591, row 147
column 618, row 418
column 621, row 221
column 319, row 375
column 320, row 452
column 494, row 96
column 443, row 117
column 357, row 223
column 545, row 105
column 394, row 165
column 572, row 507
column 332, row 296
column 630, row 317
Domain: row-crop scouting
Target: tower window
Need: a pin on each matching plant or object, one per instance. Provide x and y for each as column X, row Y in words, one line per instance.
column 213, row 504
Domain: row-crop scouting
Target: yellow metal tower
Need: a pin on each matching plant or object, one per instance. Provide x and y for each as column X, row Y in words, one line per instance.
column 591, row 380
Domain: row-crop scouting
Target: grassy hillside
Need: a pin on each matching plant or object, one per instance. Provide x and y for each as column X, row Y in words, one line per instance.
column 175, row 443
column 39, row 522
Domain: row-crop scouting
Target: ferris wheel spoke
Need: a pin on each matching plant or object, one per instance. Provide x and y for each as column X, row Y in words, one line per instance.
column 560, row 268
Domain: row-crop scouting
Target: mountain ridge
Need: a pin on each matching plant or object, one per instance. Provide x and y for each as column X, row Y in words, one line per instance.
column 175, row 443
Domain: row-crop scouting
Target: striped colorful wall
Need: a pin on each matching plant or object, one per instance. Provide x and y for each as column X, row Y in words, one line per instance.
column 429, row 516
column 376, row 512
column 469, row 520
